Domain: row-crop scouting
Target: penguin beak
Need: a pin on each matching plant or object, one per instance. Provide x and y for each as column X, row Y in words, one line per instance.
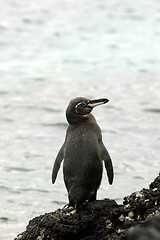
column 94, row 103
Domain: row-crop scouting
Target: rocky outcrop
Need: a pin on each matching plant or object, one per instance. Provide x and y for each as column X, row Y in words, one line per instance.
column 138, row 217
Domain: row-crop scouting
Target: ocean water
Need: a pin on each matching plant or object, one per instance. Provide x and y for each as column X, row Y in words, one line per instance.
column 53, row 51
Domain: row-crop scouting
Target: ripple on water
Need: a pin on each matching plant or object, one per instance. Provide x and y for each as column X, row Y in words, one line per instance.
column 4, row 219
column 34, row 190
column 47, row 109
column 18, row 169
column 50, row 109
column 58, row 202
column 152, row 110
column 54, row 124
column 3, row 188
column 9, row 120
column 3, row 93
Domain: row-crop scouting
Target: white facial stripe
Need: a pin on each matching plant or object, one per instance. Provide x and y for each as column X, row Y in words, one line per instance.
column 77, row 110
column 76, row 107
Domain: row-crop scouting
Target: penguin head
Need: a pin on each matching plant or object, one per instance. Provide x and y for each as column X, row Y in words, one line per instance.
column 80, row 107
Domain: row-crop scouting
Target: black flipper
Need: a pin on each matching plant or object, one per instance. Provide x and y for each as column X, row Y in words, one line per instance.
column 57, row 163
column 107, row 161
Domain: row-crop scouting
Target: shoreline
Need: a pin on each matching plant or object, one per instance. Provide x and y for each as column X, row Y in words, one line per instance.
column 137, row 217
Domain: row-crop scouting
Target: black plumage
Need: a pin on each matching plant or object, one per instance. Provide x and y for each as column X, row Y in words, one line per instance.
column 83, row 152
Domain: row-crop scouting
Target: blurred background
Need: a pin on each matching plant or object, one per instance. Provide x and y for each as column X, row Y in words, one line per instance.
column 52, row 51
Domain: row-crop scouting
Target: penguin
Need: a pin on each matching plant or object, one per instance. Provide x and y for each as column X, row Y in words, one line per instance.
column 83, row 152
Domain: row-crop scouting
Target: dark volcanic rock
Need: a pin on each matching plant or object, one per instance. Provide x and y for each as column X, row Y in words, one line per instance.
column 150, row 230
column 93, row 220
column 102, row 220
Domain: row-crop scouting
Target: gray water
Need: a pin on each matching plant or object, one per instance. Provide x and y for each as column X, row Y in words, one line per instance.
column 52, row 51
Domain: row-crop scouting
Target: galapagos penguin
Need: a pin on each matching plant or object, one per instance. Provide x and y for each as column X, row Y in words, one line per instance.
column 83, row 151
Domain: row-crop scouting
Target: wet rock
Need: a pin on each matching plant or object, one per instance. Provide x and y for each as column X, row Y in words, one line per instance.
column 102, row 219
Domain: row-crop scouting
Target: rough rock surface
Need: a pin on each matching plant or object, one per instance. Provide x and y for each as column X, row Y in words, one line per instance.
column 137, row 219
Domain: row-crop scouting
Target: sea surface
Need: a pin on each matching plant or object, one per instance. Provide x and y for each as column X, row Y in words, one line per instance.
column 52, row 51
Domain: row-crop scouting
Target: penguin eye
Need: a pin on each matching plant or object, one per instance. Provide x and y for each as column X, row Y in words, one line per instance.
column 83, row 104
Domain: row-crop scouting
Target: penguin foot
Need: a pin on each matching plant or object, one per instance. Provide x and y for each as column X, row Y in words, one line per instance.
column 73, row 211
column 65, row 206
column 68, row 210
